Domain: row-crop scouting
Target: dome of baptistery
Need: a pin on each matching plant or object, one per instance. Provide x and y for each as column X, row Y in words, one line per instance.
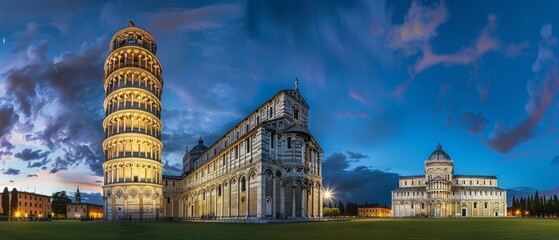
column 439, row 155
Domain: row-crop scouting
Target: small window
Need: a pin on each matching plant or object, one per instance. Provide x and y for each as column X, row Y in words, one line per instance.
column 270, row 112
column 247, row 142
column 296, row 112
column 289, row 143
column 272, row 140
column 168, row 199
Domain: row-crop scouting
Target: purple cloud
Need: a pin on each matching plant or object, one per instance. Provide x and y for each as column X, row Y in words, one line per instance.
column 201, row 18
column 11, row 171
column 541, row 92
column 359, row 97
column 29, row 155
column 485, row 43
column 474, row 122
column 420, row 25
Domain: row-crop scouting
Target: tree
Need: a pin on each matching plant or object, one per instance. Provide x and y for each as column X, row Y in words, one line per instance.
column 342, row 208
column 536, row 202
column 5, row 202
column 14, row 201
column 326, row 211
column 555, row 205
column 59, row 202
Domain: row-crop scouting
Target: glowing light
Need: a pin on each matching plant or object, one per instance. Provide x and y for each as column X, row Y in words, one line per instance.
column 328, row 194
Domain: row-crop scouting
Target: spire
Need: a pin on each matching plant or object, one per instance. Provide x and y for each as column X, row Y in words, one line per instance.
column 200, row 141
column 130, row 23
column 78, row 197
column 439, row 147
column 296, row 84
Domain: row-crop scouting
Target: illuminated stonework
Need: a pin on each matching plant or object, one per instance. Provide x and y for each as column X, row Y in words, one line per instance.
column 267, row 167
column 132, row 169
column 441, row 193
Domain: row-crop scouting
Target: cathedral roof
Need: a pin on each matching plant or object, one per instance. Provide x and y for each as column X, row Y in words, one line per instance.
column 439, row 155
column 296, row 129
column 474, row 176
column 475, row 188
column 406, row 189
column 200, row 147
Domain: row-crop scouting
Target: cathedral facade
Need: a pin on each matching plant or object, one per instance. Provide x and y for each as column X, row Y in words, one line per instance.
column 441, row 193
column 267, row 167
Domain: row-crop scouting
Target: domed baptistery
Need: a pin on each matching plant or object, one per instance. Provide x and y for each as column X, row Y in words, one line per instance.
column 132, row 169
column 441, row 193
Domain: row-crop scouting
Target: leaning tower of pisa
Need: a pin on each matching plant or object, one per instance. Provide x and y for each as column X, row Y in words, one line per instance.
column 132, row 168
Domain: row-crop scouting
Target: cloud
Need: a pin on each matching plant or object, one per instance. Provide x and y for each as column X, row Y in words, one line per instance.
column 474, row 122
column 31, row 175
column 357, row 184
column 8, row 119
column 337, row 161
column 541, row 91
column 68, row 83
column 359, row 97
column 517, row 49
column 201, row 18
column 420, row 25
column 352, row 115
column 175, row 169
column 109, row 16
column 545, row 51
column 38, row 164
column 28, row 154
column 356, row 155
column 93, row 198
column 26, row 37
column 485, row 43
column 11, row 171
column 555, row 161
column 312, row 38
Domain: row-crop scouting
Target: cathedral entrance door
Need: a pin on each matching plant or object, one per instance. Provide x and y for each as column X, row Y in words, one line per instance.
column 268, row 207
column 463, row 212
column 437, row 212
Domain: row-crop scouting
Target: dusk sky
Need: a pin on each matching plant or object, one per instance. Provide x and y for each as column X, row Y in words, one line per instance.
column 386, row 82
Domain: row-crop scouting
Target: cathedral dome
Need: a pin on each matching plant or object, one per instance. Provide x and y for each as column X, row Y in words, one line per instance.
column 200, row 147
column 439, row 155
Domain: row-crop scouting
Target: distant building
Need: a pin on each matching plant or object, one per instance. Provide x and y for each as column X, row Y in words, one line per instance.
column 79, row 210
column 373, row 211
column 441, row 193
column 84, row 211
column 30, row 205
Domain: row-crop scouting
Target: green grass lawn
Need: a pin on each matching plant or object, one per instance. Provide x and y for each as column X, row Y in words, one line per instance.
column 353, row 230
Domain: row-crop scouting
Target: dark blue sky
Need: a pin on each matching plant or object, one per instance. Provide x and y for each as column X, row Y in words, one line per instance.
column 386, row 82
